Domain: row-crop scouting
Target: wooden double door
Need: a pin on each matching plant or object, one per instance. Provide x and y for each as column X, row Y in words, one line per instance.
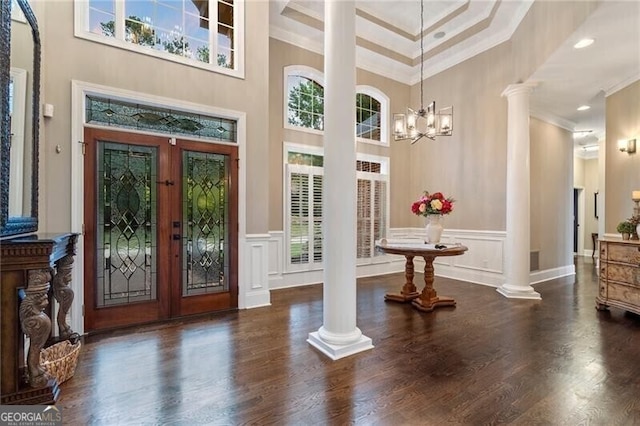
column 161, row 228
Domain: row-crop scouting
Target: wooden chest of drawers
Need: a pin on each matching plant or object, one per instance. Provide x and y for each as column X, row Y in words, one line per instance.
column 619, row 275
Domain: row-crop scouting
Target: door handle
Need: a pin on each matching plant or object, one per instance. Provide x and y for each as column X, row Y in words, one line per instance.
column 176, row 237
column 166, row 182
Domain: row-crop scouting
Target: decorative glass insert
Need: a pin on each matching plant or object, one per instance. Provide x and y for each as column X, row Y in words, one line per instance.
column 116, row 113
column 305, row 103
column 368, row 114
column 179, row 27
column 127, row 224
column 205, row 192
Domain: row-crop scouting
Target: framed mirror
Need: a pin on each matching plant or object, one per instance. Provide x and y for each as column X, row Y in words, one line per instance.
column 19, row 118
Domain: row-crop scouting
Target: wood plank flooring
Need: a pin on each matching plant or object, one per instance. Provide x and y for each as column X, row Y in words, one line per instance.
column 489, row 360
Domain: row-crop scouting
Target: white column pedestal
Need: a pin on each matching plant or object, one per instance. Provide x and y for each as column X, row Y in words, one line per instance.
column 518, row 242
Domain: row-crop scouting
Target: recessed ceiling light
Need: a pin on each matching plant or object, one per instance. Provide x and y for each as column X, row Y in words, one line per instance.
column 583, row 43
column 439, row 34
column 583, row 107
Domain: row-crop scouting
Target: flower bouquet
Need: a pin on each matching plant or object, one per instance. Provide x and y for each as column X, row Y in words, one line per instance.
column 435, row 203
column 433, row 206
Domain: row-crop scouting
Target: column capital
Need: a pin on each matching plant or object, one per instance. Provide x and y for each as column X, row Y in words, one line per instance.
column 514, row 89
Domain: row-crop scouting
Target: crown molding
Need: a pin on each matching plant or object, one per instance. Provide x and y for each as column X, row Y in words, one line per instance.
column 622, row 84
column 553, row 119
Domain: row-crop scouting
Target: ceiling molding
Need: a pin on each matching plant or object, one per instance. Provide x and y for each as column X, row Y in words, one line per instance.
column 296, row 40
column 552, row 119
column 621, row 85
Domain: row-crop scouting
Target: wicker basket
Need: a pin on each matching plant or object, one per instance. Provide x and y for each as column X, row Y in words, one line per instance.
column 60, row 360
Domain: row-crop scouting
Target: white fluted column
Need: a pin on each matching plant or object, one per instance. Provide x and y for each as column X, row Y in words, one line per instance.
column 518, row 243
column 339, row 337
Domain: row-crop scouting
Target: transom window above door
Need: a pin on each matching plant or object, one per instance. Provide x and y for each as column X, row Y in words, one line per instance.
column 202, row 33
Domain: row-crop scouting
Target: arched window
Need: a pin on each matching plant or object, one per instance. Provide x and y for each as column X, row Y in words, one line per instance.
column 372, row 111
column 304, row 95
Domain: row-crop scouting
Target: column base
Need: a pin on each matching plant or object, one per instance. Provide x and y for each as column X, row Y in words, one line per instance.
column 339, row 351
column 516, row 292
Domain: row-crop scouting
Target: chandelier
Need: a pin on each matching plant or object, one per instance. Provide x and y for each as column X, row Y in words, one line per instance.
column 414, row 125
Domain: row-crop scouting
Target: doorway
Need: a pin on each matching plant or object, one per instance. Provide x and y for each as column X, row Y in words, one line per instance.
column 576, row 224
column 161, row 228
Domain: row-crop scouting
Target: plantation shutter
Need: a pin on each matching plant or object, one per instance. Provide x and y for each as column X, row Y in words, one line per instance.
column 371, row 208
column 304, row 233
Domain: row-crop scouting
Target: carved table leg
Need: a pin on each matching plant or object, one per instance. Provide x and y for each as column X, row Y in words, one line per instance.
column 35, row 323
column 408, row 292
column 63, row 294
column 429, row 299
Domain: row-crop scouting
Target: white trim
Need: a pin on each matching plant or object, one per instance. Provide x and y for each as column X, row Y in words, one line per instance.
column 548, row 117
column 384, row 100
column 538, row 277
column 81, row 21
column 622, row 84
column 256, row 292
column 79, row 92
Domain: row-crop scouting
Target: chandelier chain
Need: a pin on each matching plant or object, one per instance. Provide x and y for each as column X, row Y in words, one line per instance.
column 421, row 54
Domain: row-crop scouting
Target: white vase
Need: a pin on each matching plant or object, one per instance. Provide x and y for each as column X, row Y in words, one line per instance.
column 433, row 229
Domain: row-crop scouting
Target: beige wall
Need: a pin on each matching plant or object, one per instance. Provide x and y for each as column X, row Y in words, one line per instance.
column 578, row 172
column 622, row 171
column 470, row 165
column 68, row 58
column 551, row 194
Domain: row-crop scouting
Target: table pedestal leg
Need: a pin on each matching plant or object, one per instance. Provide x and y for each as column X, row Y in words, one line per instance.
column 409, row 290
column 429, row 299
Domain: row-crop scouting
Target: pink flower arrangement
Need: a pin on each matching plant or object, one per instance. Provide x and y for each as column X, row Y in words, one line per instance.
column 435, row 203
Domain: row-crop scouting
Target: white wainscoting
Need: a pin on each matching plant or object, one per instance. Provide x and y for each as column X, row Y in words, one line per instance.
column 482, row 264
column 253, row 283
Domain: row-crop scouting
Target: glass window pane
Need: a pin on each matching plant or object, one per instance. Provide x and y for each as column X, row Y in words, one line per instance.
column 225, row 14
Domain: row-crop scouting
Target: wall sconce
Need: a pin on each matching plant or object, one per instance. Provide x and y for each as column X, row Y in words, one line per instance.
column 628, row 146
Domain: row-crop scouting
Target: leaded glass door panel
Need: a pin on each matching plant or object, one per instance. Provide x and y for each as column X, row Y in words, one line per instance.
column 208, row 202
column 160, row 228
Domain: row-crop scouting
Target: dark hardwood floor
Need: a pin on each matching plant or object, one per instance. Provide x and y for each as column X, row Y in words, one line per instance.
column 489, row 360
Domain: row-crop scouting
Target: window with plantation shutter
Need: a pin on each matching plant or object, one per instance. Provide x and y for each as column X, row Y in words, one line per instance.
column 304, row 174
column 304, row 230
column 371, row 207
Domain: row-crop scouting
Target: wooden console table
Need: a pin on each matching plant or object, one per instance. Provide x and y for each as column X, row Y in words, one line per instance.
column 428, row 299
column 29, row 266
